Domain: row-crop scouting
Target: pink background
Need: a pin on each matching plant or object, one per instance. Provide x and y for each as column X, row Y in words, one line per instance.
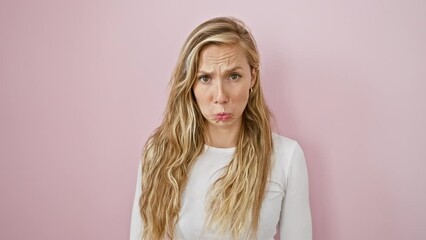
column 83, row 83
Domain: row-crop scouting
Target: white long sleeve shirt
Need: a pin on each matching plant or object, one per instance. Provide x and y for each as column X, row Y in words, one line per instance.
column 285, row 206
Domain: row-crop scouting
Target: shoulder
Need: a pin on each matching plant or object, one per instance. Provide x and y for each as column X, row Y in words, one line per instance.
column 286, row 152
column 283, row 145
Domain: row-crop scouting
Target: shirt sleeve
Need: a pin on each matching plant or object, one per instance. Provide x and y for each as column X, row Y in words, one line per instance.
column 295, row 219
column 136, row 221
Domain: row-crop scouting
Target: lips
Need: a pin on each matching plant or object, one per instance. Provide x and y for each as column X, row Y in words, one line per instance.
column 222, row 116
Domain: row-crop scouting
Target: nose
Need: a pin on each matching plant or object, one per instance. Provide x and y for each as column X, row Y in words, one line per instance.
column 220, row 97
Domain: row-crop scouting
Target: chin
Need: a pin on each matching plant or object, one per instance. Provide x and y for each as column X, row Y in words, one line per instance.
column 222, row 123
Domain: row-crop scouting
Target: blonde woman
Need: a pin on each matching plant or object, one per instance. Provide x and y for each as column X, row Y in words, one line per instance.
column 213, row 169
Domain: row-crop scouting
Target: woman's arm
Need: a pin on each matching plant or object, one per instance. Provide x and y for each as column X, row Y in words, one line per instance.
column 136, row 222
column 295, row 220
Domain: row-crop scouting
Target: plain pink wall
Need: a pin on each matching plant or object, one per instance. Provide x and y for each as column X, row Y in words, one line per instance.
column 83, row 83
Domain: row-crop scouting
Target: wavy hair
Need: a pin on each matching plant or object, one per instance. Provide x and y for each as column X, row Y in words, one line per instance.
column 172, row 149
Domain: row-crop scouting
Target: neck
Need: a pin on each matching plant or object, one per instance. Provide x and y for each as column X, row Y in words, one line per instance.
column 222, row 137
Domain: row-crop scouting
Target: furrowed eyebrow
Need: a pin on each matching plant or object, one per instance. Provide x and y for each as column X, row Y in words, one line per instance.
column 227, row 71
column 235, row 69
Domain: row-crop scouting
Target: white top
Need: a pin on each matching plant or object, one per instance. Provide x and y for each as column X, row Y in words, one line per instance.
column 285, row 207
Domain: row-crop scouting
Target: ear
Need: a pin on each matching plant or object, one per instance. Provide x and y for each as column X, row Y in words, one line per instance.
column 253, row 77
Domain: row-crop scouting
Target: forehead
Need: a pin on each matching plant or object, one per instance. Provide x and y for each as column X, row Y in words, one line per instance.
column 222, row 54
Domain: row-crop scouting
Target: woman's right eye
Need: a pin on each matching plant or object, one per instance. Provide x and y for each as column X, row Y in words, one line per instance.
column 204, row 79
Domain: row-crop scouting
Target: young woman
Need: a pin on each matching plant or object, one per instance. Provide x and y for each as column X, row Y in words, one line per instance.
column 213, row 169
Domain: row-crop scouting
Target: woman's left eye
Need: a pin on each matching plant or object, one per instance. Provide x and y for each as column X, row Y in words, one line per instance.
column 234, row 76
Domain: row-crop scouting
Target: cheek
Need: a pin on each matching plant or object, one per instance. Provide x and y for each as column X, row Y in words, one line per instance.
column 196, row 92
column 201, row 98
column 241, row 98
column 197, row 95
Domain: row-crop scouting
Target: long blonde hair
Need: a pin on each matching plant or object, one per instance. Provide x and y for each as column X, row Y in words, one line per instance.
column 175, row 145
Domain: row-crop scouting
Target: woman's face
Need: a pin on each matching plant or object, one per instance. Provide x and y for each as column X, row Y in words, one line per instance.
column 222, row 85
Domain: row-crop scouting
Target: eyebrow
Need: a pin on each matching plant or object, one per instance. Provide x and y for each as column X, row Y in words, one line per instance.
column 227, row 71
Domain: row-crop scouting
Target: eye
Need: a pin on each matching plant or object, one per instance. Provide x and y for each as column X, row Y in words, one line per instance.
column 235, row 76
column 204, row 79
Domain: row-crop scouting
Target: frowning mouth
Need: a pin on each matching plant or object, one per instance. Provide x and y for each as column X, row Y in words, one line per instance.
column 222, row 116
